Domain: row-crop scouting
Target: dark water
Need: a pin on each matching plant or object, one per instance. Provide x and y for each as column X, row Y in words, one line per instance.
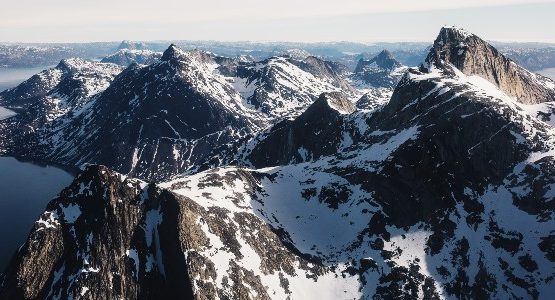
column 25, row 189
column 12, row 77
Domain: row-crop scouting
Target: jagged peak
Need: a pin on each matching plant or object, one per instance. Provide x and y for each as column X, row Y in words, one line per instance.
column 385, row 54
column 97, row 173
column 454, row 33
column 384, row 59
column 175, row 54
column 100, row 176
column 455, row 47
column 172, row 53
column 451, row 45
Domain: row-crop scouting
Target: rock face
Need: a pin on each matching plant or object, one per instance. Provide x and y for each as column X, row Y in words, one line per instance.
column 107, row 236
column 316, row 132
column 384, row 60
column 445, row 191
column 473, row 56
column 104, row 237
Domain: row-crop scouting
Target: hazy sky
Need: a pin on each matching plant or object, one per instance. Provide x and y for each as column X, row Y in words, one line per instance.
column 263, row 20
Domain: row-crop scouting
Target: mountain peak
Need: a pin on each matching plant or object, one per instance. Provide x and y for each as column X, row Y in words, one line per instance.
column 473, row 56
column 385, row 54
column 453, row 33
column 176, row 54
column 384, row 59
column 173, row 52
column 68, row 64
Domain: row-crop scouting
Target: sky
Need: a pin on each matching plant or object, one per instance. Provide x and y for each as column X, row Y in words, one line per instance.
column 263, row 20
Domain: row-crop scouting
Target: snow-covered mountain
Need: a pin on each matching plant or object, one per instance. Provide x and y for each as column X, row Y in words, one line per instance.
column 126, row 57
column 283, row 86
column 445, row 191
column 70, row 79
column 158, row 120
column 131, row 45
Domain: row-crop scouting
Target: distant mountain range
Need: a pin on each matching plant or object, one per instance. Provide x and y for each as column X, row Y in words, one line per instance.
column 533, row 56
column 290, row 177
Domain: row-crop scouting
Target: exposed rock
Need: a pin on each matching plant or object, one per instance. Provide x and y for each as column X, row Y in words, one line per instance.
column 473, row 56
column 315, row 133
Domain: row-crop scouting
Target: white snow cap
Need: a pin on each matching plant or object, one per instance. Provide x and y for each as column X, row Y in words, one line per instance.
column 459, row 30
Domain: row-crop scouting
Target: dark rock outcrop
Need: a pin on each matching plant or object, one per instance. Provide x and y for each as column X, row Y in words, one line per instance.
column 104, row 237
column 315, row 133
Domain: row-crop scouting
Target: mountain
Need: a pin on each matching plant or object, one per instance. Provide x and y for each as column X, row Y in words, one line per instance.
column 474, row 56
column 297, row 53
column 315, row 133
column 283, row 86
column 130, row 45
column 91, row 240
column 47, row 100
column 126, row 57
column 382, row 71
column 145, row 120
column 155, row 121
column 445, row 191
column 71, row 78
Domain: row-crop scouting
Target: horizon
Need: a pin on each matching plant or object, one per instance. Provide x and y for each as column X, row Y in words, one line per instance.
column 371, row 43
column 311, row 22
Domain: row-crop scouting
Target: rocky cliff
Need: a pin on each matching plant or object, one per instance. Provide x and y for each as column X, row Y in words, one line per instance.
column 473, row 56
